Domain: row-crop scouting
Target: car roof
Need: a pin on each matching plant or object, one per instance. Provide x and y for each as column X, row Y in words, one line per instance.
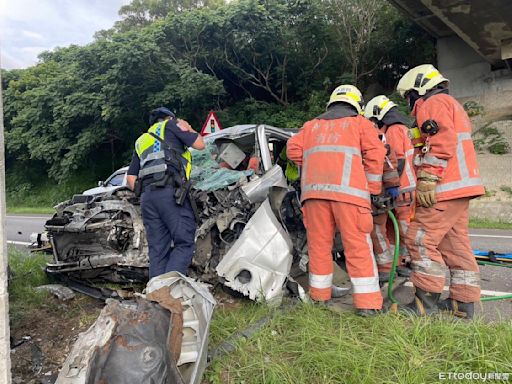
column 244, row 129
column 118, row 171
column 237, row 131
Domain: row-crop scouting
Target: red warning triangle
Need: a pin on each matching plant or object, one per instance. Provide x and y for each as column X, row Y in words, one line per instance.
column 211, row 125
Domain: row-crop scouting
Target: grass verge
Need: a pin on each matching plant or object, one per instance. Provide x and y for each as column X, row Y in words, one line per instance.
column 25, row 197
column 487, row 224
column 50, row 325
column 227, row 321
column 26, row 271
column 312, row 345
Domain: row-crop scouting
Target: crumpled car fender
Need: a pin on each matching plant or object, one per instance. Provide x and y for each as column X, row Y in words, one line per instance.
column 258, row 263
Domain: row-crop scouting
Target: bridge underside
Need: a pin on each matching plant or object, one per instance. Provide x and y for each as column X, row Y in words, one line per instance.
column 484, row 25
column 474, row 47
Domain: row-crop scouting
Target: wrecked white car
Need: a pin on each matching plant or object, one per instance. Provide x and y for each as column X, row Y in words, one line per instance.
column 249, row 234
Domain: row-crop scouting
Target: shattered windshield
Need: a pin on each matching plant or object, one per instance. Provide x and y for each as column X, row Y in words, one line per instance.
column 208, row 175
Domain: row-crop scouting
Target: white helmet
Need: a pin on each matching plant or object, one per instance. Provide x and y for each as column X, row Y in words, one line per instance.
column 378, row 107
column 421, row 78
column 347, row 94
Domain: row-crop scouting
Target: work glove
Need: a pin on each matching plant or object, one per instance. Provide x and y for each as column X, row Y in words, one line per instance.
column 393, row 192
column 426, row 189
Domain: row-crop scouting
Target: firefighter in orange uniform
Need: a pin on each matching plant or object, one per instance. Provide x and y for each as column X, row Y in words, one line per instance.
column 384, row 113
column 342, row 160
column 448, row 177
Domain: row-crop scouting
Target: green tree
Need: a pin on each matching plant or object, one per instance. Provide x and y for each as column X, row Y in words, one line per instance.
column 140, row 13
column 81, row 105
column 255, row 61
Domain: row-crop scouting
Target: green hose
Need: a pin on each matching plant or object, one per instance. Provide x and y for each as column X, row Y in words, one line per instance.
column 494, row 264
column 495, row 298
column 396, row 255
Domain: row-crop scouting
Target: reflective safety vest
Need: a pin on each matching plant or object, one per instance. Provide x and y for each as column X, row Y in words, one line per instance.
column 292, row 171
column 342, row 160
column 452, row 155
column 155, row 158
column 397, row 137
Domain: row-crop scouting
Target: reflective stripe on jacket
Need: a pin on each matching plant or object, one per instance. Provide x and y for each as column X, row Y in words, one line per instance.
column 342, row 159
column 397, row 137
column 452, row 154
column 153, row 157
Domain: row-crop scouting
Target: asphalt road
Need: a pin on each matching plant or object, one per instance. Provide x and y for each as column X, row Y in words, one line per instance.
column 497, row 240
column 493, row 279
column 20, row 227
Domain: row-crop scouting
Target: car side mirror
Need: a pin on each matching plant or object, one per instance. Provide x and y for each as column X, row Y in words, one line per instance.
column 100, row 183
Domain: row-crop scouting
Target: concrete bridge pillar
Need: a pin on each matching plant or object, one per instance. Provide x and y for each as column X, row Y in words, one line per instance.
column 473, row 78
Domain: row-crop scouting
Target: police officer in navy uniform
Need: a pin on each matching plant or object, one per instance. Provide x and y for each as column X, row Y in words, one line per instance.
column 160, row 171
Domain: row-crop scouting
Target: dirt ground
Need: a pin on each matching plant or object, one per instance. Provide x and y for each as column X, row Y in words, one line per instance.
column 47, row 335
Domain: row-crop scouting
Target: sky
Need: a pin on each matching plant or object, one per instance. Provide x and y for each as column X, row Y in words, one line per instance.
column 29, row 27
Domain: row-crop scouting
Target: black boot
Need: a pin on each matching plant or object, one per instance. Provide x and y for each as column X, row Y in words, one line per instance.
column 331, row 305
column 424, row 303
column 368, row 312
column 457, row 308
column 403, row 271
column 337, row 292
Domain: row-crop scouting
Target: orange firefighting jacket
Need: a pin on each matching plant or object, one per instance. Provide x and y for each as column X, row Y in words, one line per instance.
column 398, row 138
column 452, row 155
column 342, row 159
column 390, row 176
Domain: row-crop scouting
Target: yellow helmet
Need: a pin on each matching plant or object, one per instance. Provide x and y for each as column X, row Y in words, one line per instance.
column 347, row 94
column 378, row 107
column 421, row 78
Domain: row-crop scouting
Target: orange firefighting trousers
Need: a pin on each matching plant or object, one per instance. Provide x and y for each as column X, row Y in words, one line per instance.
column 403, row 215
column 439, row 238
column 355, row 224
